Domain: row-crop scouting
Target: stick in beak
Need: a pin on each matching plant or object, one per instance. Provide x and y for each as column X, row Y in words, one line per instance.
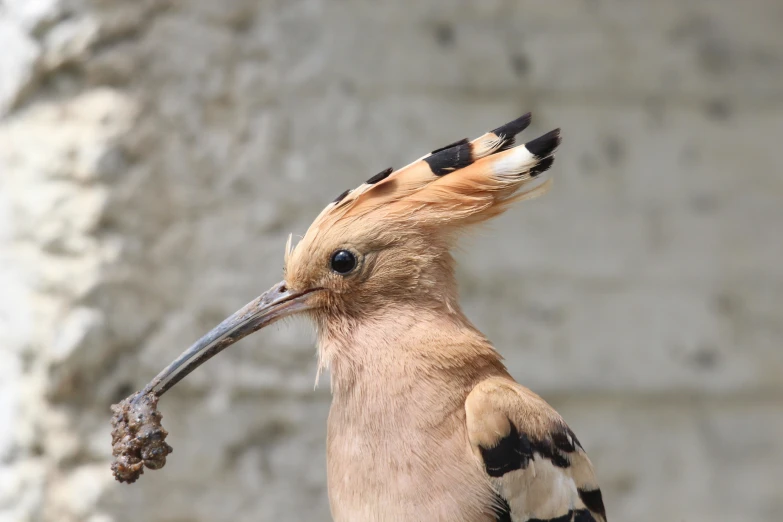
column 276, row 303
column 138, row 438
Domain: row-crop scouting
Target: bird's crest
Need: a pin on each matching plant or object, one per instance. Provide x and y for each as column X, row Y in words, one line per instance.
column 462, row 183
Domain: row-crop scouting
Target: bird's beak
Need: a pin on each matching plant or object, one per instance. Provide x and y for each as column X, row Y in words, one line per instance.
column 277, row 302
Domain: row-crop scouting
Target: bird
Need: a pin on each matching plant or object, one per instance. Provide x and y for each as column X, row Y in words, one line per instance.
column 426, row 423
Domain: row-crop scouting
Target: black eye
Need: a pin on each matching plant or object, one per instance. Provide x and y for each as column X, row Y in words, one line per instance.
column 343, row 261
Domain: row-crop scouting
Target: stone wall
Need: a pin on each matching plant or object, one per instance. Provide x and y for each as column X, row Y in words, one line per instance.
column 154, row 155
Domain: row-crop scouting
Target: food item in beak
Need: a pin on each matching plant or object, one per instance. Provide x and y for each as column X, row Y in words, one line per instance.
column 138, row 438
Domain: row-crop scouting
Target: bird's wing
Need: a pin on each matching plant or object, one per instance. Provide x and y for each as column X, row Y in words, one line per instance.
column 533, row 460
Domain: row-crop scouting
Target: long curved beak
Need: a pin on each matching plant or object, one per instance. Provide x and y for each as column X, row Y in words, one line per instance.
column 275, row 303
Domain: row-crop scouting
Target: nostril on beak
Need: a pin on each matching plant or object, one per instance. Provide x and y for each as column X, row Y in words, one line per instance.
column 283, row 288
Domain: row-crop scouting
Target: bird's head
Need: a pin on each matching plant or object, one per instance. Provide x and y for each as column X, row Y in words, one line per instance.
column 387, row 243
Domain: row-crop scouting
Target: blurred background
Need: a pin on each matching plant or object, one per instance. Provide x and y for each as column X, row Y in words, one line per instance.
column 154, row 156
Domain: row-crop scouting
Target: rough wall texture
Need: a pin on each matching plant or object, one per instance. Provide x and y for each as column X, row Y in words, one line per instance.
column 154, row 155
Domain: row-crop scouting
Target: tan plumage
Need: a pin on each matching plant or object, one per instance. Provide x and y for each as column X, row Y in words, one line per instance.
column 426, row 424
column 420, row 396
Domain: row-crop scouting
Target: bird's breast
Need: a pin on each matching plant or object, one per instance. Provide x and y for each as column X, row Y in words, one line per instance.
column 393, row 459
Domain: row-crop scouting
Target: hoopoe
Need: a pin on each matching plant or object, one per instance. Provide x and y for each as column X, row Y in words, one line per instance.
column 426, row 423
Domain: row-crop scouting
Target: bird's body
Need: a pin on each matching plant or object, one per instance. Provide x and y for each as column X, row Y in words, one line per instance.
column 426, row 423
column 397, row 444
column 411, row 410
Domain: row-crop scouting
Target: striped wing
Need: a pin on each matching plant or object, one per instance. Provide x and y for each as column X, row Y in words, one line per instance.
column 533, row 460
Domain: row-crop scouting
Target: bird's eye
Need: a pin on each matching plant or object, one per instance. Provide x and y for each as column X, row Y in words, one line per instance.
column 343, row 261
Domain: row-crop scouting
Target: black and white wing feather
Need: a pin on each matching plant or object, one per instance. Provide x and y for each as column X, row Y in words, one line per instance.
column 533, row 460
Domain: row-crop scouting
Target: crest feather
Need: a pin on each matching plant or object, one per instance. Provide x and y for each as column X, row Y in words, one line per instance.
column 461, row 183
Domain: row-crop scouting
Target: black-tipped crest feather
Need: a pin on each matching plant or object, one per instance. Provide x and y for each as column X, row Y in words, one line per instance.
column 478, row 194
column 458, row 142
column 509, row 130
column 341, row 196
column 545, row 145
column 543, row 165
column 456, row 157
column 380, row 176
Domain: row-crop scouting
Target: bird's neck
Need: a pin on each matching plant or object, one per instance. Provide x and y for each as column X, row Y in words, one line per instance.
column 399, row 383
column 404, row 344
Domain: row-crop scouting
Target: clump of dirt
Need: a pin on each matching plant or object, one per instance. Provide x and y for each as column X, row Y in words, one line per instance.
column 138, row 438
